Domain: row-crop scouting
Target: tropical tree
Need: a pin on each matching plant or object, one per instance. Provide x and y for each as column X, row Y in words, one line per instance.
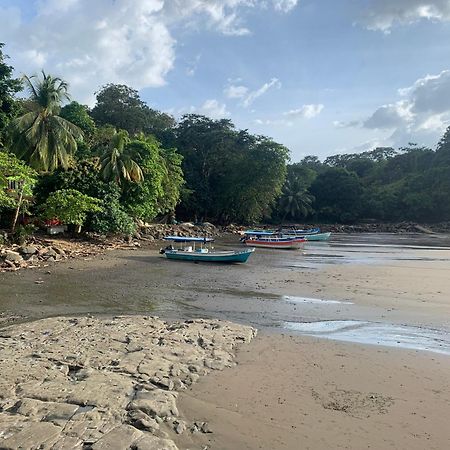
column 121, row 106
column 118, row 162
column 78, row 114
column 295, row 201
column 70, row 207
column 9, row 86
column 16, row 184
column 159, row 193
column 338, row 195
column 40, row 136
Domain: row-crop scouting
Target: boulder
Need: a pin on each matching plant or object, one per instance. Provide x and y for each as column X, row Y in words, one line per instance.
column 13, row 256
column 28, row 250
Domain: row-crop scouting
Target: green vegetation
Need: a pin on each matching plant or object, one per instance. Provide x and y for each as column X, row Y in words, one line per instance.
column 106, row 168
column 40, row 136
column 16, row 185
column 70, row 207
column 411, row 183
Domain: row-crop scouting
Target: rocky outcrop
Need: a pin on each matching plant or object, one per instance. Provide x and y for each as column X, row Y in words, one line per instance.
column 88, row 383
column 159, row 231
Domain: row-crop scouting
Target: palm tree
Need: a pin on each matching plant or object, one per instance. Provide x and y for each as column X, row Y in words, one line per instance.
column 118, row 163
column 40, row 136
column 294, row 200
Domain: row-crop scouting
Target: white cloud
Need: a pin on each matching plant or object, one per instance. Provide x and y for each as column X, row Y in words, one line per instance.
column 306, row 111
column 235, row 91
column 274, row 122
column 253, row 95
column 213, row 109
column 349, row 124
column 90, row 43
column 431, row 93
column 421, row 115
column 284, row 5
column 384, row 14
column 192, row 66
column 390, row 116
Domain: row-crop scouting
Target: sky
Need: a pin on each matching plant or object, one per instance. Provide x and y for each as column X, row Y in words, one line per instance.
column 319, row 76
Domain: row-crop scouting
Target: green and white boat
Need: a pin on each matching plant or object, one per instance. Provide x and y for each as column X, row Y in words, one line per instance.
column 317, row 237
column 192, row 248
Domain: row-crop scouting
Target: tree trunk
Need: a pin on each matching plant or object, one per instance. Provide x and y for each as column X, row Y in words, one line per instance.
column 16, row 214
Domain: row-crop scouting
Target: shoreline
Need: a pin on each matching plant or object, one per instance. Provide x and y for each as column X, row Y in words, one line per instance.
column 291, row 390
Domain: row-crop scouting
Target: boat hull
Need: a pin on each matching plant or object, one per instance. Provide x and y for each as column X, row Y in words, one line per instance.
column 219, row 257
column 317, row 237
column 283, row 244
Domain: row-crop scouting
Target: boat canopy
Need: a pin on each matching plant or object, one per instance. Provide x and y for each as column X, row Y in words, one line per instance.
column 188, row 239
column 292, row 229
column 259, row 233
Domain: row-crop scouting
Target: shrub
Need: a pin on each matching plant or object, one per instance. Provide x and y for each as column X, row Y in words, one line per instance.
column 70, row 206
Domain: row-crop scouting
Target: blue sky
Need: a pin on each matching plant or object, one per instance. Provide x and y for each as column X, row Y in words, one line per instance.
column 320, row 76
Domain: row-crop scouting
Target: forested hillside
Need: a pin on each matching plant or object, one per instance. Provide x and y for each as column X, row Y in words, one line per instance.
column 385, row 184
column 122, row 161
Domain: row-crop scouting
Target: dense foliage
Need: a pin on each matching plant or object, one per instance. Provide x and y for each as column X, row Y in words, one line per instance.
column 123, row 162
column 232, row 175
column 9, row 86
column 40, row 136
column 16, row 185
column 70, row 206
column 384, row 184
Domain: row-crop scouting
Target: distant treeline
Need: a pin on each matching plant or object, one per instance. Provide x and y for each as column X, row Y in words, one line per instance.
column 104, row 168
column 411, row 183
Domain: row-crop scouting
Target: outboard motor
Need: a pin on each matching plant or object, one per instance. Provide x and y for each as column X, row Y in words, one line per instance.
column 163, row 250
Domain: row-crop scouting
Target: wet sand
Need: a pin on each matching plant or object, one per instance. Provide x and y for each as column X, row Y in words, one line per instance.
column 304, row 393
column 289, row 390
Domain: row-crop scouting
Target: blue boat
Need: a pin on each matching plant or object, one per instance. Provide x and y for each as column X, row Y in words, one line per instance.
column 297, row 232
column 203, row 253
column 312, row 234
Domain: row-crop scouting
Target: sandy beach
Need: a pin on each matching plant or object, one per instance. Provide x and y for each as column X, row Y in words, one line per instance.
column 290, row 393
column 353, row 348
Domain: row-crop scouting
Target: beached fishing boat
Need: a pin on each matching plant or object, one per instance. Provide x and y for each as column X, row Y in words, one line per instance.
column 197, row 249
column 317, row 237
column 312, row 234
column 288, row 243
column 297, row 232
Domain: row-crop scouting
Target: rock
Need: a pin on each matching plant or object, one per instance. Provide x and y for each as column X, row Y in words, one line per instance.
column 47, row 252
column 155, row 403
column 154, row 443
column 147, row 424
column 59, row 389
column 423, row 229
column 179, row 426
column 27, row 434
column 205, row 428
column 28, row 250
column 121, row 437
column 59, row 251
column 13, row 256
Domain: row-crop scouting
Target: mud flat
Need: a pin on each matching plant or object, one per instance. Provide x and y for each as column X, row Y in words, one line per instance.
column 113, row 383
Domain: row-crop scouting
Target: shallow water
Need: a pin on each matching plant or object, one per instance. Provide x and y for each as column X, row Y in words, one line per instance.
column 374, row 333
column 318, row 301
column 272, row 289
column 370, row 248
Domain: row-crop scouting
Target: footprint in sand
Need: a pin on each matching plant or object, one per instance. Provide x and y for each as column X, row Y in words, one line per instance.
column 354, row 403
